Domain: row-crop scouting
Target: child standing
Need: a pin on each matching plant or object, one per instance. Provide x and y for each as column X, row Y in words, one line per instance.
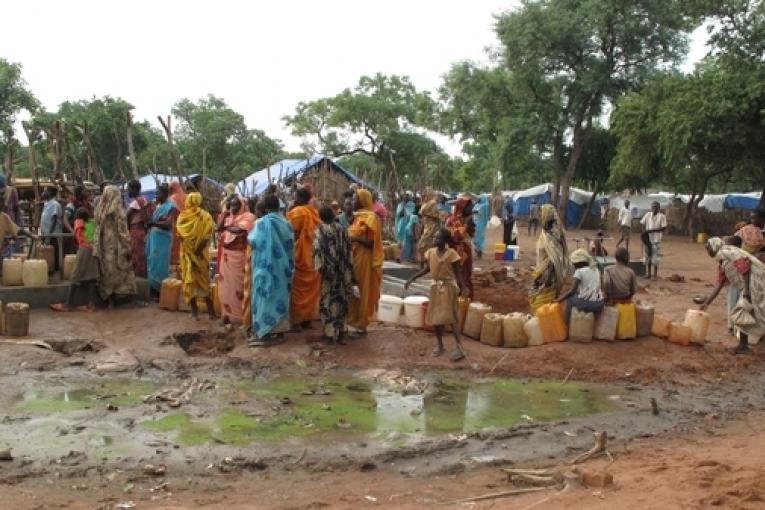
column 85, row 272
column 443, row 264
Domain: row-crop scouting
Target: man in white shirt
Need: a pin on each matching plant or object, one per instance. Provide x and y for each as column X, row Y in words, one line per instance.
column 625, row 225
column 654, row 224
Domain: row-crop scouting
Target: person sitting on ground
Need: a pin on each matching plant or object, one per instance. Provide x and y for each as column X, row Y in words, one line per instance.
column 619, row 280
column 85, row 274
column 443, row 264
column 585, row 294
column 743, row 271
column 332, row 259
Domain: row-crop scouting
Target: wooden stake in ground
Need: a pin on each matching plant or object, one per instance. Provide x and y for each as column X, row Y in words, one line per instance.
column 131, row 148
column 168, row 127
column 599, row 448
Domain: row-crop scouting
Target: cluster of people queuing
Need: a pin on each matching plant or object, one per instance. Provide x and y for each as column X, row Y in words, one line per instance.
column 740, row 257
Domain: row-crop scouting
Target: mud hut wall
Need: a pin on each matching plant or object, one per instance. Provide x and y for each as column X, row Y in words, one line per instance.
column 328, row 184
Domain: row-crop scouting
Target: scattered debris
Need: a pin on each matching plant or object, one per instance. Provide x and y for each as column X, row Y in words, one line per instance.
column 120, row 361
column 124, row 505
column 654, row 407
column 155, row 470
column 597, row 479
column 676, row 278
column 175, row 397
column 112, row 407
column 5, row 455
column 318, row 390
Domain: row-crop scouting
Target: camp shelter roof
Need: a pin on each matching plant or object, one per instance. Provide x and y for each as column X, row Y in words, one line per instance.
column 286, row 170
column 149, row 184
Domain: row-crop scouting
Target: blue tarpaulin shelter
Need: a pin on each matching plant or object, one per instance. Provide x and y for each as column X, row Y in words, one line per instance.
column 149, row 184
column 287, row 170
column 577, row 202
column 746, row 201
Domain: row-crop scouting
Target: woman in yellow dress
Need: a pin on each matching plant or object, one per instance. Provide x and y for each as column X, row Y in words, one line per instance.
column 195, row 228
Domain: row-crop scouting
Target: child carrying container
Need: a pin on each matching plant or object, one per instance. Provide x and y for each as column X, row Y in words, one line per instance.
column 443, row 264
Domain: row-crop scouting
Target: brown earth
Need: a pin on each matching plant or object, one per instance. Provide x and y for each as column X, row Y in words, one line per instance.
column 720, row 467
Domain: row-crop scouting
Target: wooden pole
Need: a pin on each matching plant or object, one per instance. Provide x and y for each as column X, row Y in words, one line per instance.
column 131, row 148
column 167, row 126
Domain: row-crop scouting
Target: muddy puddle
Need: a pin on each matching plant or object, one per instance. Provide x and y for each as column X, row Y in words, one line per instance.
column 112, row 418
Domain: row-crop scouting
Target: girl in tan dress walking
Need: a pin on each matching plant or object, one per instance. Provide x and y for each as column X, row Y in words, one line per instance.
column 443, row 265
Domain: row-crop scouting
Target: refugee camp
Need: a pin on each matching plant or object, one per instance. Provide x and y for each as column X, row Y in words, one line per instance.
column 505, row 254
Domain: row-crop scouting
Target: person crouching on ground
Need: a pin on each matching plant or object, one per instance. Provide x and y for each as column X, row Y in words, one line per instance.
column 333, row 260
column 85, row 274
column 195, row 227
column 619, row 280
column 584, row 294
column 444, row 265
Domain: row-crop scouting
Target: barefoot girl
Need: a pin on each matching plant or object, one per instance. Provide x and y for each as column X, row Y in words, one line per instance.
column 443, row 264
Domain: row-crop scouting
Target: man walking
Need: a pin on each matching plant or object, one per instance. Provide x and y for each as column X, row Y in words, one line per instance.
column 654, row 224
column 625, row 225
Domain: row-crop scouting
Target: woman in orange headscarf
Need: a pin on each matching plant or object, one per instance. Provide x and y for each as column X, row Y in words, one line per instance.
column 178, row 196
column 195, row 228
column 235, row 223
column 366, row 240
column 306, row 283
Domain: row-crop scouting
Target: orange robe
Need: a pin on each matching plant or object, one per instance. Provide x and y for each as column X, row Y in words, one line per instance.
column 367, row 267
column 306, row 282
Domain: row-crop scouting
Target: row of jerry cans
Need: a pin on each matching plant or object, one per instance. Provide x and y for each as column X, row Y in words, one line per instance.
column 506, row 252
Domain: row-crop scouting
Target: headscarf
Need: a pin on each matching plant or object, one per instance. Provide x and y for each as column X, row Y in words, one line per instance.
column 460, row 205
column 229, row 191
column 177, row 195
column 195, row 225
column 365, row 197
column 714, row 244
column 551, row 246
column 751, row 237
column 370, row 219
column 579, row 256
column 244, row 220
column 110, row 209
column 429, row 208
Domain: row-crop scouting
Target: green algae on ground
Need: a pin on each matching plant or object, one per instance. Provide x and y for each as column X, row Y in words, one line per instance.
column 308, row 406
column 118, row 392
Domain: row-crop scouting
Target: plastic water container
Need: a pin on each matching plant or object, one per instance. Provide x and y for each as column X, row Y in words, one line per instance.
column 34, row 273
column 170, row 294
column 474, row 319
column 606, row 324
column 463, row 304
column 680, row 334
column 17, row 319
column 581, row 328
column 13, row 272
column 644, row 315
column 389, row 309
column 48, row 254
column 551, row 321
column 70, row 261
column 627, row 327
column 491, row 330
column 698, row 321
column 660, row 326
column 533, row 332
column 511, row 253
column 512, row 330
column 413, row 311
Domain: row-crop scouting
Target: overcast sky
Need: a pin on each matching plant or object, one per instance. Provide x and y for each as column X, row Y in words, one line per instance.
column 261, row 57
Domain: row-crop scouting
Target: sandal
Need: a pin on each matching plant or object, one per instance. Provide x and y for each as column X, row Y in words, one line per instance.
column 60, row 307
column 457, row 355
column 87, row 309
column 357, row 335
column 438, row 351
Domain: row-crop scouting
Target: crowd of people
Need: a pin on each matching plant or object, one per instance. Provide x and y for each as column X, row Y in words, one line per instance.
column 281, row 263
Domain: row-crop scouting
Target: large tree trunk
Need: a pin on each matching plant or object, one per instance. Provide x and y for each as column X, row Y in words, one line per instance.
column 131, row 147
column 557, row 159
column 167, row 126
column 588, row 211
column 577, row 146
column 120, row 162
